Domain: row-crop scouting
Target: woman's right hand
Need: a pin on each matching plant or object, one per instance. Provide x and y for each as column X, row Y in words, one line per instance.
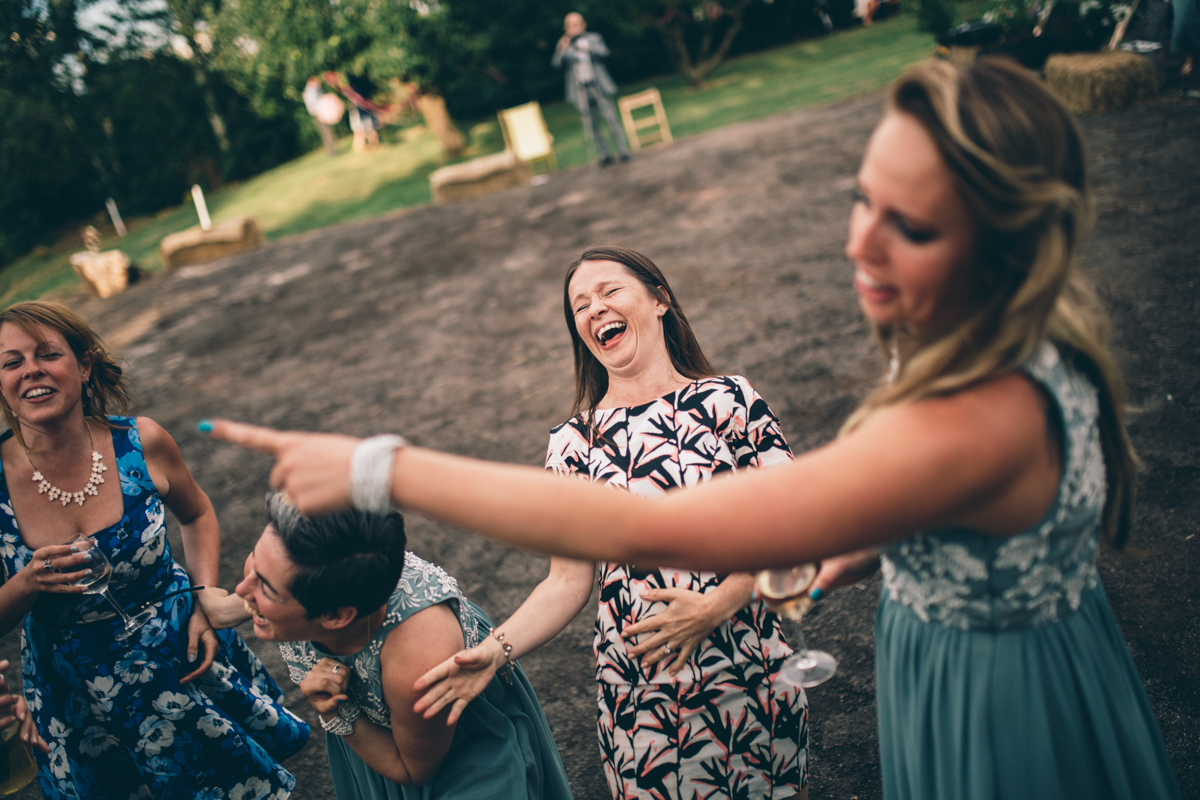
column 224, row 610
column 458, row 680
column 846, row 569
column 13, row 706
column 65, row 567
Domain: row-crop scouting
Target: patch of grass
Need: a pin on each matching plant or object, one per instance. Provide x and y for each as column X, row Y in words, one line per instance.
column 315, row 191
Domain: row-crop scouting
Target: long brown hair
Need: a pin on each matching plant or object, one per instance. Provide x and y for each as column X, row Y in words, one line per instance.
column 591, row 378
column 106, row 390
column 1016, row 158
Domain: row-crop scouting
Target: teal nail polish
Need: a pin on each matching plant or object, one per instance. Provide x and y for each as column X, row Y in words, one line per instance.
column 87, row 572
column 87, row 556
column 205, row 426
column 74, row 549
column 816, row 594
column 191, row 656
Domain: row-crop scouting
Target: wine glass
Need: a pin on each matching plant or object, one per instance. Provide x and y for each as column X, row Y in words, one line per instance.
column 97, row 583
column 785, row 591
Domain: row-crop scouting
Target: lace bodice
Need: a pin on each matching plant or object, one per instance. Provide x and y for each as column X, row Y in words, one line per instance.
column 421, row 585
column 968, row 580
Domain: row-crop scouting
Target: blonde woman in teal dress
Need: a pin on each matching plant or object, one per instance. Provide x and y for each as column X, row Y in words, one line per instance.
column 357, row 620
column 982, row 473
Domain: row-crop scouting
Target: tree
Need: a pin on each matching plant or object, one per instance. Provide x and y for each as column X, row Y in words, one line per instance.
column 269, row 48
column 696, row 34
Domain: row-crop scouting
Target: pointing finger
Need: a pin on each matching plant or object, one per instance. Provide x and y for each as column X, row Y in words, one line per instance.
column 255, row 437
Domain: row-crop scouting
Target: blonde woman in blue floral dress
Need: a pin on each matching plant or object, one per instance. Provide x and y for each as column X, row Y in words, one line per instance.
column 178, row 710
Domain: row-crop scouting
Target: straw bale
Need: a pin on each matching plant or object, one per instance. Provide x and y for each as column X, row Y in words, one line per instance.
column 478, row 177
column 1099, row 83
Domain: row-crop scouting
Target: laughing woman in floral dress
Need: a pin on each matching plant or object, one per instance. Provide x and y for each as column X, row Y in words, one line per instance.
column 177, row 710
column 690, row 703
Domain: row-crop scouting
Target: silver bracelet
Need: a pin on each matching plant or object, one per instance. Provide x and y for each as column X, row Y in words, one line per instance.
column 337, row 726
column 371, row 473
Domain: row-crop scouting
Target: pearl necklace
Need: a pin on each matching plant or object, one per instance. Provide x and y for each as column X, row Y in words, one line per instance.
column 64, row 496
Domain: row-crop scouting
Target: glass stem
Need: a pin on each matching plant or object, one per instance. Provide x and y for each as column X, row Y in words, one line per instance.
column 104, row 593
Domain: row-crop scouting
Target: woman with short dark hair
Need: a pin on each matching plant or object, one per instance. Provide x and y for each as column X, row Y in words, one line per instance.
column 357, row 620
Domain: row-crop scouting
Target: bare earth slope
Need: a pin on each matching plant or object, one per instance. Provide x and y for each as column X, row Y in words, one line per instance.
column 445, row 324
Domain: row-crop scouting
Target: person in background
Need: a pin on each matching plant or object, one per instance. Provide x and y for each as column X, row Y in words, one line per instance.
column 313, row 100
column 1185, row 35
column 357, row 620
column 589, row 86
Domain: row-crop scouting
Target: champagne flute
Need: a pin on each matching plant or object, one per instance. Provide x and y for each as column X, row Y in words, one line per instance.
column 97, row 583
column 785, row 591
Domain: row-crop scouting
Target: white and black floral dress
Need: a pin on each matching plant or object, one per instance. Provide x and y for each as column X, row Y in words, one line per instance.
column 724, row 727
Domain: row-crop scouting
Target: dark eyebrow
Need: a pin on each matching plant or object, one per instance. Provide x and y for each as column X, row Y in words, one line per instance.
column 263, row 580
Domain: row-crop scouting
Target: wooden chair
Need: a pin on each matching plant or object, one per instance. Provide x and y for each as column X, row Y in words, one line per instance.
column 526, row 135
column 634, row 127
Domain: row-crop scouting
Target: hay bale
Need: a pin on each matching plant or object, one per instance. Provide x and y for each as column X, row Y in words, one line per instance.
column 1099, row 83
column 104, row 274
column 477, row 177
column 196, row 245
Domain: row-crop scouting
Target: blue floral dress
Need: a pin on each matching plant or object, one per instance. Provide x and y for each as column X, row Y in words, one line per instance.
column 1000, row 672
column 117, row 720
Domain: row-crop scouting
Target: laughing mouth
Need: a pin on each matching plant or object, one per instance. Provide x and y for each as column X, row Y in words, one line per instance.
column 258, row 618
column 866, row 280
column 607, row 332
column 40, row 391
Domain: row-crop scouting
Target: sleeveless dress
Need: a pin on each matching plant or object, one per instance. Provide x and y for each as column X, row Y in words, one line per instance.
column 725, row 726
column 117, row 720
column 1000, row 671
column 502, row 747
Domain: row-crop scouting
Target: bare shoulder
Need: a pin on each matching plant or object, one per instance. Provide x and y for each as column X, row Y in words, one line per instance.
column 154, row 436
column 995, row 427
column 421, row 642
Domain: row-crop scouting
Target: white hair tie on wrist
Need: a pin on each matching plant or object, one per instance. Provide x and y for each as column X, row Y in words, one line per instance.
column 371, row 473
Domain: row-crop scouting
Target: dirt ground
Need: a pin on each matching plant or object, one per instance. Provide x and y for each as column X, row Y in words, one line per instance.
column 445, row 324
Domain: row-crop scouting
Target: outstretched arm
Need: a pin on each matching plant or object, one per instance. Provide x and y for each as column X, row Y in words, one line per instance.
column 549, row 608
column 976, row 459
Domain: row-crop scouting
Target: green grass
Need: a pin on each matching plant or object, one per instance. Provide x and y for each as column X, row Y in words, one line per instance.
column 315, row 191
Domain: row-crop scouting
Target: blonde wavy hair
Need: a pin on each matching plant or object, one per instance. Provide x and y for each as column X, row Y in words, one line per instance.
column 106, row 390
column 1016, row 158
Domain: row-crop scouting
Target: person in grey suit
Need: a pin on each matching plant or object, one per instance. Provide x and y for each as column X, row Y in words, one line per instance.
column 589, row 86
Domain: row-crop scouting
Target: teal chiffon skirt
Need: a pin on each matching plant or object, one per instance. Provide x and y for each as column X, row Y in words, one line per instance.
column 1052, row 712
column 502, row 750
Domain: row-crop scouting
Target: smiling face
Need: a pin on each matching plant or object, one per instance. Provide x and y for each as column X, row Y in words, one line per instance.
column 277, row 616
column 574, row 25
column 617, row 317
column 912, row 238
column 40, row 381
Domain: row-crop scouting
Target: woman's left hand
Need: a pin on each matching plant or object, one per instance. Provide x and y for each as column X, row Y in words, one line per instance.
column 325, row 686
column 200, row 632
column 687, row 620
